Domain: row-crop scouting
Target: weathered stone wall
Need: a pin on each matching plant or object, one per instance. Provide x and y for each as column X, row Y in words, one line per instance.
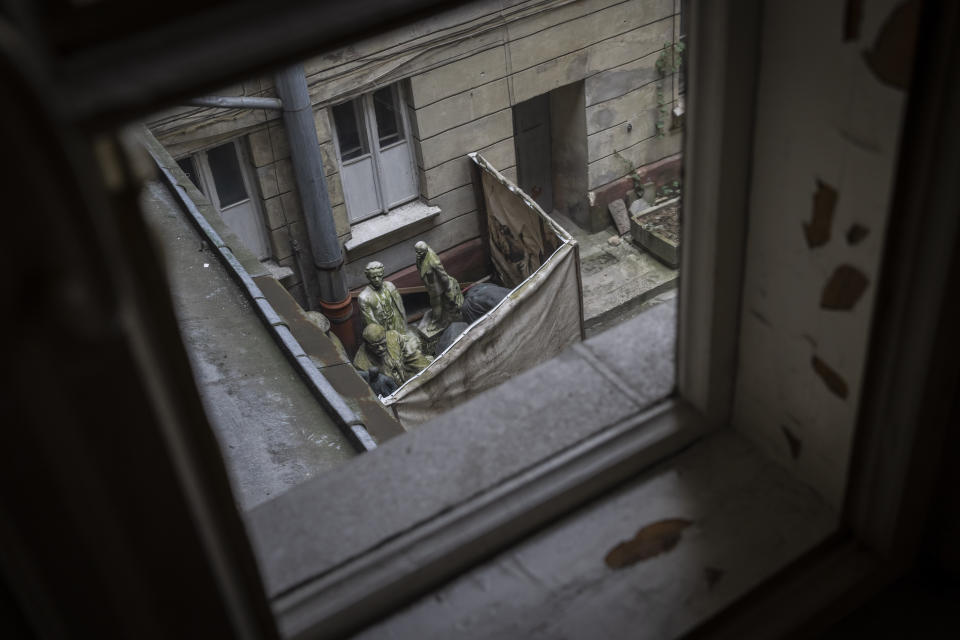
column 462, row 71
column 270, row 154
column 613, row 47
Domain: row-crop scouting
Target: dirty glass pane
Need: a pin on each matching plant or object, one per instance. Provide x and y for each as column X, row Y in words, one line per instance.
column 190, row 168
column 389, row 125
column 581, row 217
column 347, row 118
column 226, row 174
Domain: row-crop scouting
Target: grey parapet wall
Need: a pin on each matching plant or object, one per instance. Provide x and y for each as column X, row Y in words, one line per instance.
column 349, row 403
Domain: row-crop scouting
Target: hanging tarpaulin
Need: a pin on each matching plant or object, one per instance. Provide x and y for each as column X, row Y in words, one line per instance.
column 542, row 315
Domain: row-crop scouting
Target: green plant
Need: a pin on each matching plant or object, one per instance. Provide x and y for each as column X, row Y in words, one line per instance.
column 668, row 62
column 631, row 171
column 671, row 190
column 663, row 110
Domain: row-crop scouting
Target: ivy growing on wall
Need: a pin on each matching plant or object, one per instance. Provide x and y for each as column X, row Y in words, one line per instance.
column 668, row 62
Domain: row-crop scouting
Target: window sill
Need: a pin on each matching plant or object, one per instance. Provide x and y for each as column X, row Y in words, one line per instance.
column 381, row 231
column 341, row 550
column 277, row 271
column 424, row 506
column 735, row 519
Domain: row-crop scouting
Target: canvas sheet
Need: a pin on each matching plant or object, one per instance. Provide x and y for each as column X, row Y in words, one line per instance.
column 521, row 236
column 541, row 317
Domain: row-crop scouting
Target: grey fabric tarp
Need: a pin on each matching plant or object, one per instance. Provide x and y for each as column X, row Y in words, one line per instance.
column 541, row 317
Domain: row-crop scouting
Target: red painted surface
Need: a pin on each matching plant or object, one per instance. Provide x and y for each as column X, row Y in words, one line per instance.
column 662, row 172
column 341, row 315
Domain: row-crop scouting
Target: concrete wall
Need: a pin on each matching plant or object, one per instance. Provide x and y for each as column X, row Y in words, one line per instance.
column 816, row 230
column 463, row 70
column 569, row 152
column 270, row 154
column 184, row 131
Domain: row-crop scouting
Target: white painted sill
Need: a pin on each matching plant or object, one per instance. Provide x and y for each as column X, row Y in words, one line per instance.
column 379, row 230
column 348, row 547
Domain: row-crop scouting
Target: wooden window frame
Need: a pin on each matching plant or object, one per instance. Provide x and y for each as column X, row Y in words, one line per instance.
column 208, row 186
column 903, row 409
column 369, row 129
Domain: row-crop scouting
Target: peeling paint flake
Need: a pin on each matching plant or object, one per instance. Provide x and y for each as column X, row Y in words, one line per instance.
column 851, row 20
column 856, row 233
column 652, row 540
column 844, row 288
column 891, row 58
column 713, row 576
column 795, row 443
column 817, row 231
column 834, row 381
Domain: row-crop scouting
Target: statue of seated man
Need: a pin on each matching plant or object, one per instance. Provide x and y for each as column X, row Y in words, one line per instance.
column 389, row 352
column 380, row 303
column 443, row 289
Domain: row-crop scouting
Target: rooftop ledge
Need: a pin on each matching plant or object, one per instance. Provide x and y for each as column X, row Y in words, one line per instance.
column 368, row 234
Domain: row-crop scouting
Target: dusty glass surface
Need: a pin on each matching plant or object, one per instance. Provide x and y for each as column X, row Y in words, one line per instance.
column 565, row 224
column 389, row 124
column 350, row 132
column 225, row 169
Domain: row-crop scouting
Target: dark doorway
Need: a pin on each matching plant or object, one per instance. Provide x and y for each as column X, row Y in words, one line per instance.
column 531, row 134
column 550, row 135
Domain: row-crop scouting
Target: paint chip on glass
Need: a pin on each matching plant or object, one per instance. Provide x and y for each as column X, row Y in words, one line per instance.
column 650, row 541
column 206, row 264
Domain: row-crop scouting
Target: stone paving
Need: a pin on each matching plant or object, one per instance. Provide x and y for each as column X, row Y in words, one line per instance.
column 619, row 279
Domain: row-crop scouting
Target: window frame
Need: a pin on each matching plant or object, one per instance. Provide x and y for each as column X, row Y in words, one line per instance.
column 369, row 120
column 101, row 95
column 847, row 567
column 201, row 164
column 716, row 186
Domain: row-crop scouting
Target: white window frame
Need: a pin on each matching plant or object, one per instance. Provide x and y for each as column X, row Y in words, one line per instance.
column 718, row 153
column 208, row 187
column 718, row 148
column 365, row 101
column 363, row 586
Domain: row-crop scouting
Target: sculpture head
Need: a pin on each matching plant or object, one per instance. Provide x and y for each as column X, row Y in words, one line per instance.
column 421, row 249
column 375, row 338
column 374, row 273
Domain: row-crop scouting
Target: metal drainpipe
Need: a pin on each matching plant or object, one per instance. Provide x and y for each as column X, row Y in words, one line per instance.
column 334, row 299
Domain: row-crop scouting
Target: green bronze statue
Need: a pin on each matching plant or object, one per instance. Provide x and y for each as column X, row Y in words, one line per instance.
column 443, row 289
column 390, row 353
column 380, row 303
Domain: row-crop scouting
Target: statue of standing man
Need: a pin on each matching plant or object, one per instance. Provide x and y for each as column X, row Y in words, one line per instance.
column 444, row 291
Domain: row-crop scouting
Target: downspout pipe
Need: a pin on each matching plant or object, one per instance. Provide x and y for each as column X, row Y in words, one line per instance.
column 237, row 102
column 327, row 257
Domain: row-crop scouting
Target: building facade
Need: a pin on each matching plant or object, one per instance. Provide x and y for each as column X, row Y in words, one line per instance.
column 566, row 98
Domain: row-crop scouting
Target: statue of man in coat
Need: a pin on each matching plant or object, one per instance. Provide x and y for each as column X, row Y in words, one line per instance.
column 380, row 303
column 444, row 291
